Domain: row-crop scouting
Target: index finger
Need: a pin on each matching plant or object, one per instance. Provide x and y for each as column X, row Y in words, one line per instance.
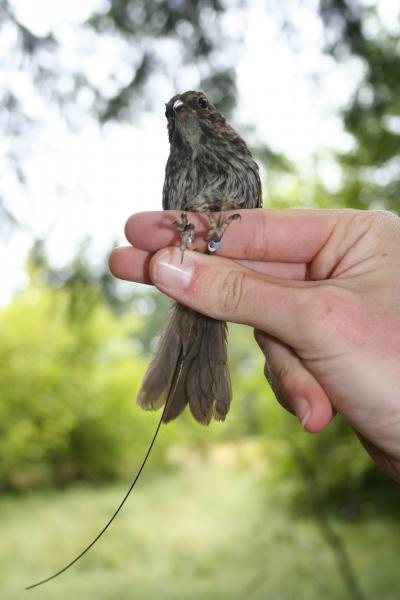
column 292, row 235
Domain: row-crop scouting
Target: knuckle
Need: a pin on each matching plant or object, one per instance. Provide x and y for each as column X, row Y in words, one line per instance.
column 280, row 378
column 321, row 305
column 384, row 225
column 378, row 220
column 283, row 373
column 383, row 215
column 277, row 380
column 277, row 372
column 318, row 318
column 230, row 293
column 257, row 245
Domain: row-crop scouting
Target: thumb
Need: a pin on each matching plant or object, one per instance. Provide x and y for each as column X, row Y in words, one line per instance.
column 223, row 289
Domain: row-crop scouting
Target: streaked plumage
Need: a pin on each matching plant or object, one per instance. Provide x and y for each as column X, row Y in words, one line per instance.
column 209, row 168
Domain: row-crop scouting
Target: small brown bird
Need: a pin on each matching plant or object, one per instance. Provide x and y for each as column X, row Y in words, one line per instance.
column 209, row 169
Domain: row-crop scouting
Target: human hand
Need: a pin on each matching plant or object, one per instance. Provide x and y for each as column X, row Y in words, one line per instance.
column 322, row 290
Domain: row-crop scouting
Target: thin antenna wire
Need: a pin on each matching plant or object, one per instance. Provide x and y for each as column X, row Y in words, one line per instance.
column 98, row 536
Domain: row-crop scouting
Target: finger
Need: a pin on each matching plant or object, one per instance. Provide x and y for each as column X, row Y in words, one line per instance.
column 262, row 234
column 130, row 264
column 225, row 290
column 276, row 269
column 294, row 386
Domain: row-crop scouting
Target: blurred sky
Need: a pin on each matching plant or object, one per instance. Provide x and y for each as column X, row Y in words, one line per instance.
column 87, row 182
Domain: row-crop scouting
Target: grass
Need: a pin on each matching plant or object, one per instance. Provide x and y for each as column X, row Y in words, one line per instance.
column 206, row 531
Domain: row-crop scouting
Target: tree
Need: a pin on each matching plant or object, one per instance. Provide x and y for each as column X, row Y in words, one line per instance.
column 371, row 170
column 153, row 41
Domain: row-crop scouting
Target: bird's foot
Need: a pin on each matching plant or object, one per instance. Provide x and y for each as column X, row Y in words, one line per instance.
column 186, row 230
column 218, row 226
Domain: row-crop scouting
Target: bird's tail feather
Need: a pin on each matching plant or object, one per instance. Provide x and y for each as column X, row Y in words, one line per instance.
column 189, row 367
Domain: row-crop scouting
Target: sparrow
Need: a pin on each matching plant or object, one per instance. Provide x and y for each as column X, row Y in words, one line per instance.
column 209, row 170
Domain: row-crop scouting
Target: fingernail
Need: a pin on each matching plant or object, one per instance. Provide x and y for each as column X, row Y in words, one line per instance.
column 170, row 273
column 302, row 409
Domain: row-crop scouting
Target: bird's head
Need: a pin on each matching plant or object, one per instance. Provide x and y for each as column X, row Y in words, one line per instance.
column 192, row 119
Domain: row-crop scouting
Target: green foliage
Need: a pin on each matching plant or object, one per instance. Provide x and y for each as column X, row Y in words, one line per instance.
column 67, row 389
column 70, row 368
column 371, row 169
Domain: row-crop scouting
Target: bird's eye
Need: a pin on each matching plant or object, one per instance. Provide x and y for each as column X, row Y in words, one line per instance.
column 202, row 102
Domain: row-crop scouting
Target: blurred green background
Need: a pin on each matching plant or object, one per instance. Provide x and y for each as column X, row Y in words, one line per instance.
column 253, row 507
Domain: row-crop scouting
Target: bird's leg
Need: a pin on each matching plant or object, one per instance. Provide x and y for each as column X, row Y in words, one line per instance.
column 186, row 230
column 217, row 228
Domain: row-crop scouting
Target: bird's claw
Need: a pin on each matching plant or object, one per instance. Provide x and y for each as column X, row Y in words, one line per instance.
column 186, row 230
column 217, row 228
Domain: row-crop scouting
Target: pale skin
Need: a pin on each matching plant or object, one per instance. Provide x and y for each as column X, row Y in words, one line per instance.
column 321, row 288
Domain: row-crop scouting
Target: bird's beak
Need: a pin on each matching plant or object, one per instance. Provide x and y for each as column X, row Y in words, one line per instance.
column 178, row 105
